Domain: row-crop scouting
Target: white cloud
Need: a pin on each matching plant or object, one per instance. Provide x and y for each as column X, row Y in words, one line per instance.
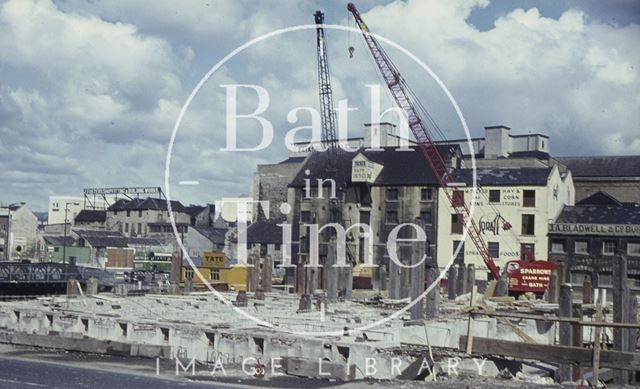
column 92, row 89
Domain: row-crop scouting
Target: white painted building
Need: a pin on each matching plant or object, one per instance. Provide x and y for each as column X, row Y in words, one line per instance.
column 513, row 209
column 57, row 205
column 18, row 232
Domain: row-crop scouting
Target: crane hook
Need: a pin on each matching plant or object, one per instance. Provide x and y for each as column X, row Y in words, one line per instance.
column 351, row 50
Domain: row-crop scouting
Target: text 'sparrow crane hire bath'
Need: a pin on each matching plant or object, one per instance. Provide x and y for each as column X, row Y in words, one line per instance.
column 519, row 272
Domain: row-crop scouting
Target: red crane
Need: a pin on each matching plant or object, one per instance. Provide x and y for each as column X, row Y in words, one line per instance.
column 525, row 275
column 401, row 94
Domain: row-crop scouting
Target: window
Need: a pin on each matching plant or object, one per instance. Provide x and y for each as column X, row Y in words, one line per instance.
column 115, row 213
column 426, row 217
column 605, row 279
column 456, row 223
column 128, row 213
column 494, row 196
column 528, row 198
column 458, row 198
column 392, row 217
column 527, row 251
column 633, row 248
column 608, row 247
column 392, row 194
column 460, row 257
column 126, row 227
column 56, row 249
column 140, row 213
column 263, row 249
column 188, row 274
column 581, row 247
column 139, row 228
column 277, row 247
column 426, row 194
column 577, row 277
column 557, row 245
column 215, row 274
column 305, row 216
column 494, row 249
column 528, row 224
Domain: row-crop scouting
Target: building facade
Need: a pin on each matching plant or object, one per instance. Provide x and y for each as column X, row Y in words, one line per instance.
column 587, row 236
column 512, row 209
column 18, row 232
column 133, row 217
column 380, row 189
column 57, row 206
column 619, row 176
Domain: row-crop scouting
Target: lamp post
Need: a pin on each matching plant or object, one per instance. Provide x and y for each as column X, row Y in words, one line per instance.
column 64, row 240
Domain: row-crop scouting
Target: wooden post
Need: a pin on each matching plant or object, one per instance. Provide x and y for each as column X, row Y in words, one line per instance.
column 471, row 277
column 470, row 322
column 576, row 338
column 253, row 272
column 553, row 291
column 461, row 284
column 417, row 280
column 405, row 274
column 176, row 269
column 587, row 291
column 433, row 297
column 331, row 272
column 563, row 374
column 394, row 283
column 600, row 298
column 502, row 289
column 267, row 274
column 300, row 278
column 347, row 282
column 633, row 333
column 451, row 282
column 620, row 312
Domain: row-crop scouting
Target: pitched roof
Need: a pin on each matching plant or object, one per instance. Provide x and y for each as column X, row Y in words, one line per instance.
column 194, row 210
column 401, row 167
column 602, row 166
column 504, row 176
column 138, row 204
column 594, row 214
column 599, row 198
column 91, row 215
column 215, row 235
column 104, row 238
column 265, row 231
column 59, row 240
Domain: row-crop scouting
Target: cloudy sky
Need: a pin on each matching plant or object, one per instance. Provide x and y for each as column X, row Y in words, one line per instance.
column 90, row 91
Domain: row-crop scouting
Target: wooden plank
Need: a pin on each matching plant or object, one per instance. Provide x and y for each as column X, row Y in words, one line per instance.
column 555, row 354
column 600, row 296
column 470, row 322
column 556, row 319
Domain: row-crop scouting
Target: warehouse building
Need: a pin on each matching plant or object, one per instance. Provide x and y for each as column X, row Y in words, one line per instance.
column 512, row 209
column 585, row 238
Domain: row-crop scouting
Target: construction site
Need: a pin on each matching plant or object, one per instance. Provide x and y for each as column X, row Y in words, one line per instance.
column 479, row 262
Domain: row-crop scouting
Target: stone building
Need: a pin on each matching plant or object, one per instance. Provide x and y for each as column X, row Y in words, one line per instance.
column 585, row 238
column 512, row 209
column 270, row 183
column 379, row 188
column 133, row 217
column 18, row 232
column 619, row 176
